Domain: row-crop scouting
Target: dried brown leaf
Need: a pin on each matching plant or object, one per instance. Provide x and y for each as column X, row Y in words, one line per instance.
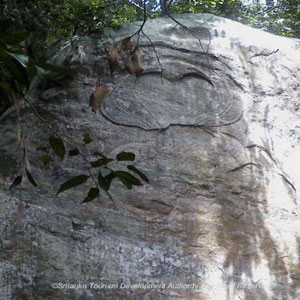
column 129, row 65
column 96, row 99
column 126, row 44
column 133, row 63
column 137, row 61
column 131, row 57
column 113, row 59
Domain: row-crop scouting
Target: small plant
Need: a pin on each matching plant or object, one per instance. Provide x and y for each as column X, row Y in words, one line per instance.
column 101, row 170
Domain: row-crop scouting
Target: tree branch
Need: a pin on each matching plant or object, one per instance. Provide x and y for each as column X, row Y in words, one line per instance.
column 138, row 7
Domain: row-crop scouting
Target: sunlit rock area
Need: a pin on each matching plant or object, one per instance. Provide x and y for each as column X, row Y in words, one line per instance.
column 214, row 119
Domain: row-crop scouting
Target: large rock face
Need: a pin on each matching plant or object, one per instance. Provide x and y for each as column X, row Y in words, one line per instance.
column 218, row 131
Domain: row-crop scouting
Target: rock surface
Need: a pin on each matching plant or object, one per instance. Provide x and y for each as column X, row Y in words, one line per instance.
column 215, row 122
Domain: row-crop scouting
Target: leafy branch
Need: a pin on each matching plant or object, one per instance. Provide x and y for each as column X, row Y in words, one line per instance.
column 17, row 70
column 102, row 167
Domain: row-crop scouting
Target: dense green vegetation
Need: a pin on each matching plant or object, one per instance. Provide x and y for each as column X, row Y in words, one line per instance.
column 48, row 22
column 281, row 18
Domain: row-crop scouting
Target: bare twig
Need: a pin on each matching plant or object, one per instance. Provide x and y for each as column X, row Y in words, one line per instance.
column 167, row 12
column 138, row 32
column 156, row 54
column 287, row 181
column 165, row 6
column 242, row 166
column 111, row 198
column 37, row 114
column 265, row 54
column 232, row 136
column 138, row 7
column 265, row 150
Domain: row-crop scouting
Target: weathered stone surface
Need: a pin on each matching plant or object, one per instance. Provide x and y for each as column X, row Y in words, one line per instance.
column 222, row 210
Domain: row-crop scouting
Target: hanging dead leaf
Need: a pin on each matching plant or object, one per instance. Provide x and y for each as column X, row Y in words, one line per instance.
column 133, row 63
column 96, row 99
column 113, row 59
column 137, row 61
column 129, row 65
column 125, row 56
column 126, row 44
column 131, row 57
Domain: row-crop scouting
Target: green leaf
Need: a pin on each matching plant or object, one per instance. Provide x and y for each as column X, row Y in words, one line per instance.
column 92, row 194
column 46, row 159
column 4, row 26
column 40, row 71
column 53, row 68
column 74, row 152
column 138, row 172
column 87, row 138
column 105, row 177
column 22, row 59
column 5, row 86
column 42, row 148
column 126, row 156
column 31, row 69
column 52, row 75
column 105, row 171
column 100, row 162
column 57, row 146
column 17, row 181
column 17, row 37
column 127, row 179
column 75, row 181
column 12, row 69
column 30, row 178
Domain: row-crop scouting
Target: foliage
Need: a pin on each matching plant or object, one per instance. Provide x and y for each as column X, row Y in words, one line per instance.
column 282, row 18
column 15, row 67
column 18, row 68
column 48, row 22
column 101, row 172
column 226, row 8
